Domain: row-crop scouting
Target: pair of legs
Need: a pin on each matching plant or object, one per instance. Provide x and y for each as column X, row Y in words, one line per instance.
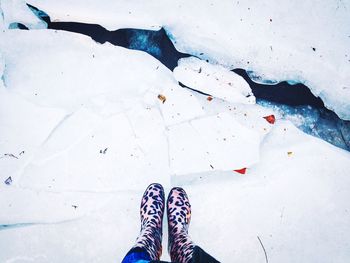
column 148, row 246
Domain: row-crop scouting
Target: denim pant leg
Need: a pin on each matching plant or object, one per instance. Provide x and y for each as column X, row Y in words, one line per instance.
column 137, row 255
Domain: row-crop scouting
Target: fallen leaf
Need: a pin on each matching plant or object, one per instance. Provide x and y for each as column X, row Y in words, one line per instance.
column 289, row 153
column 241, row 171
column 162, row 98
column 270, row 119
column 209, row 98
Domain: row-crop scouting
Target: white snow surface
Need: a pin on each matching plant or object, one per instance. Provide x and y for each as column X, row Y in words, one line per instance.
column 305, row 41
column 82, row 134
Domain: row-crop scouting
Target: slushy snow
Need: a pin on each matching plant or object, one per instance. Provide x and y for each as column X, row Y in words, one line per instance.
column 83, row 132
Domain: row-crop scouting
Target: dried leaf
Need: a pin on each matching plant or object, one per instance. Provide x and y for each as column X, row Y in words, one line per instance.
column 241, row 171
column 270, row 119
column 210, row 98
column 289, row 153
column 162, row 98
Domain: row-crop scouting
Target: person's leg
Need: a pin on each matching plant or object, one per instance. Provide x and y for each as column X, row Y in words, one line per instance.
column 148, row 245
column 181, row 247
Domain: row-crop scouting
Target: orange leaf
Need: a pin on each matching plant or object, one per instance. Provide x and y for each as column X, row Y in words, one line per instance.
column 162, row 98
column 241, row 171
column 209, row 98
column 270, row 119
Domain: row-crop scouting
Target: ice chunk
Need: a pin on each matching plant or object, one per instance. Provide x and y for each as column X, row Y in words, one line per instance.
column 77, row 70
column 24, row 127
column 271, row 202
column 187, row 153
column 68, row 132
column 214, row 80
column 150, row 136
column 230, row 144
column 112, row 156
column 16, row 11
column 28, row 206
column 212, row 143
column 180, row 105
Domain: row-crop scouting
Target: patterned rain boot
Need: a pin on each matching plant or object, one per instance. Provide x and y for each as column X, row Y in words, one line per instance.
column 151, row 211
column 179, row 215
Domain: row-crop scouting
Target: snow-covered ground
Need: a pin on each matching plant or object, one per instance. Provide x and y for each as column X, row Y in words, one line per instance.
column 85, row 127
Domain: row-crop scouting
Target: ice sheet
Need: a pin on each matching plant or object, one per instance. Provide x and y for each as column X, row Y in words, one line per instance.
column 95, row 134
column 304, row 41
column 279, row 196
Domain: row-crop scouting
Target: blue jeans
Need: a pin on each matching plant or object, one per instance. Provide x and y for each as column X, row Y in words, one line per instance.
column 137, row 255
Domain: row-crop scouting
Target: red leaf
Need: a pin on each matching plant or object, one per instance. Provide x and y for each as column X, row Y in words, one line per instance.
column 209, row 98
column 241, row 171
column 270, row 119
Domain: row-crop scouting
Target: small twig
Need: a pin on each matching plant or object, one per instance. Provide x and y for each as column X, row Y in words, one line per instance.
column 267, row 260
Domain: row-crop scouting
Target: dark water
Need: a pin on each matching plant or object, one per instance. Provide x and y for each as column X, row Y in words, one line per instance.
column 291, row 97
column 282, row 92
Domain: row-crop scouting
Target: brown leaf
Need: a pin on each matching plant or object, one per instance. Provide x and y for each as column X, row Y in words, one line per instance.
column 162, row 98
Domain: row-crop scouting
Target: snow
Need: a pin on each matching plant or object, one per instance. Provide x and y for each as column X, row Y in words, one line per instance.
column 83, row 132
column 303, row 41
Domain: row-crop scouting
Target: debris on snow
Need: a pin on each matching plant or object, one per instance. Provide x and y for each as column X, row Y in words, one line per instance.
column 162, row 98
column 8, row 181
column 104, row 151
column 270, row 119
column 9, row 155
column 241, row 171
